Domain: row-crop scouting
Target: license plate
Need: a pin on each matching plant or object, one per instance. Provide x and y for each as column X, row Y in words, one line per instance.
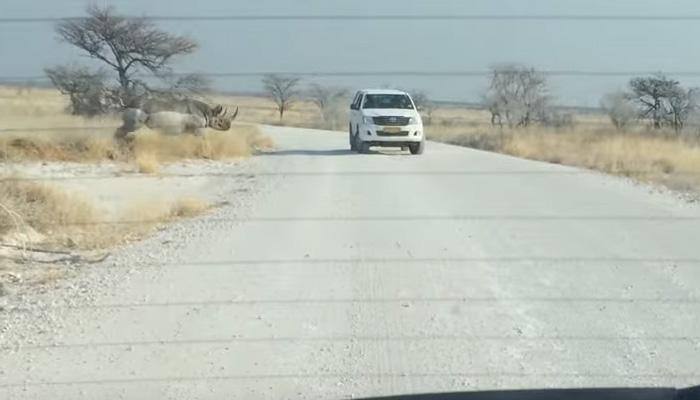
column 392, row 129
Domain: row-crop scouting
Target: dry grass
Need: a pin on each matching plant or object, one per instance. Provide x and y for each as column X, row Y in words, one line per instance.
column 44, row 215
column 241, row 142
column 43, row 131
column 37, row 216
column 61, row 219
column 672, row 162
column 147, row 163
column 188, row 207
column 149, row 147
column 261, row 110
column 661, row 159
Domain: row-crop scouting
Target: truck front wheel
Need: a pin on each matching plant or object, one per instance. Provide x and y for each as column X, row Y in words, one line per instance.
column 353, row 144
column 361, row 146
column 417, row 148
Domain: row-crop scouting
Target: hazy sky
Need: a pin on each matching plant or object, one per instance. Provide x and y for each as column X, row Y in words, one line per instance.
column 247, row 46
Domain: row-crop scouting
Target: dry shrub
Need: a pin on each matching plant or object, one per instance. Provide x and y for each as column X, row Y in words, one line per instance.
column 59, row 146
column 188, row 207
column 468, row 136
column 41, row 130
column 63, row 219
column 67, row 220
column 147, row 150
column 258, row 141
column 640, row 154
column 147, row 163
column 672, row 162
column 240, row 141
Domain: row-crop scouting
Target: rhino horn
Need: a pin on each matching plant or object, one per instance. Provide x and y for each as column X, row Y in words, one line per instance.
column 233, row 116
column 218, row 110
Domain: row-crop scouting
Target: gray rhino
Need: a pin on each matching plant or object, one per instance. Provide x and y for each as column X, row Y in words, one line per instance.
column 176, row 117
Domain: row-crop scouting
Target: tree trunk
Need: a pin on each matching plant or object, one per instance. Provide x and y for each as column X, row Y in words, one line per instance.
column 123, row 79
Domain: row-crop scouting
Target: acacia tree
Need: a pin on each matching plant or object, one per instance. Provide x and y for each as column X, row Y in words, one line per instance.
column 663, row 100
column 649, row 94
column 517, row 94
column 124, row 45
column 85, row 88
column 282, row 90
column 681, row 103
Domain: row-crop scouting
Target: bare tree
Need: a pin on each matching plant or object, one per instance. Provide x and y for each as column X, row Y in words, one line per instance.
column 85, row 88
column 282, row 90
column 174, row 87
column 619, row 109
column 663, row 100
column 681, row 103
column 517, row 94
column 649, row 93
column 330, row 102
column 424, row 105
column 495, row 107
column 125, row 45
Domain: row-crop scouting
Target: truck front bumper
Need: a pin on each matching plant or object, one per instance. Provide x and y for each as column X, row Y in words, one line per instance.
column 379, row 135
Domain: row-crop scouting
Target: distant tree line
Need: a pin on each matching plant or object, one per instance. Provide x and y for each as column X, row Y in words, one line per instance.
column 135, row 58
column 658, row 99
column 519, row 96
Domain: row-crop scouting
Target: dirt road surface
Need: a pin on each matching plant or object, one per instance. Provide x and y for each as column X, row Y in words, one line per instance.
column 342, row 275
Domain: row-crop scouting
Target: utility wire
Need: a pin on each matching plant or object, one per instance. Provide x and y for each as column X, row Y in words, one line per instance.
column 380, row 17
column 403, row 73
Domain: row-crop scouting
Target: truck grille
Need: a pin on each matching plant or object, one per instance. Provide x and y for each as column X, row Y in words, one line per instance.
column 384, row 133
column 391, row 121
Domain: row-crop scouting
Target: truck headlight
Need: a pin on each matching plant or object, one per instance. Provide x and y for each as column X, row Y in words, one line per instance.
column 368, row 120
column 413, row 121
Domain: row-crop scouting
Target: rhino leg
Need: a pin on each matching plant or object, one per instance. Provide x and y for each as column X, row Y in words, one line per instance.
column 196, row 125
column 132, row 120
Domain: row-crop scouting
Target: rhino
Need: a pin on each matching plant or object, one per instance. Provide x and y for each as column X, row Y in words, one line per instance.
column 176, row 117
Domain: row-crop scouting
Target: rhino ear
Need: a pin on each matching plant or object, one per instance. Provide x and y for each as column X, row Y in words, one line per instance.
column 218, row 110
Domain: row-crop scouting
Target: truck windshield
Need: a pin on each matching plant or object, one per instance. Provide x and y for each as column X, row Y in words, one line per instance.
column 388, row 101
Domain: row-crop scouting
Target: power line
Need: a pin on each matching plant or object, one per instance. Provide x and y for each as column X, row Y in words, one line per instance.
column 402, row 73
column 381, row 17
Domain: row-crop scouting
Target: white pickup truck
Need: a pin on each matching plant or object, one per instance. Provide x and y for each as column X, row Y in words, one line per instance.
column 388, row 118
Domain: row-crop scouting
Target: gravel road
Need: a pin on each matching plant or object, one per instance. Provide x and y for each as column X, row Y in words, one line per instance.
column 337, row 275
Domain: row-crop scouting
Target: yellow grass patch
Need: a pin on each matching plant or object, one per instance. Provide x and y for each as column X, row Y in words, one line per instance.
column 663, row 159
column 147, row 163
column 65, row 220
column 40, row 129
column 61, row 219
column 188, row 207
